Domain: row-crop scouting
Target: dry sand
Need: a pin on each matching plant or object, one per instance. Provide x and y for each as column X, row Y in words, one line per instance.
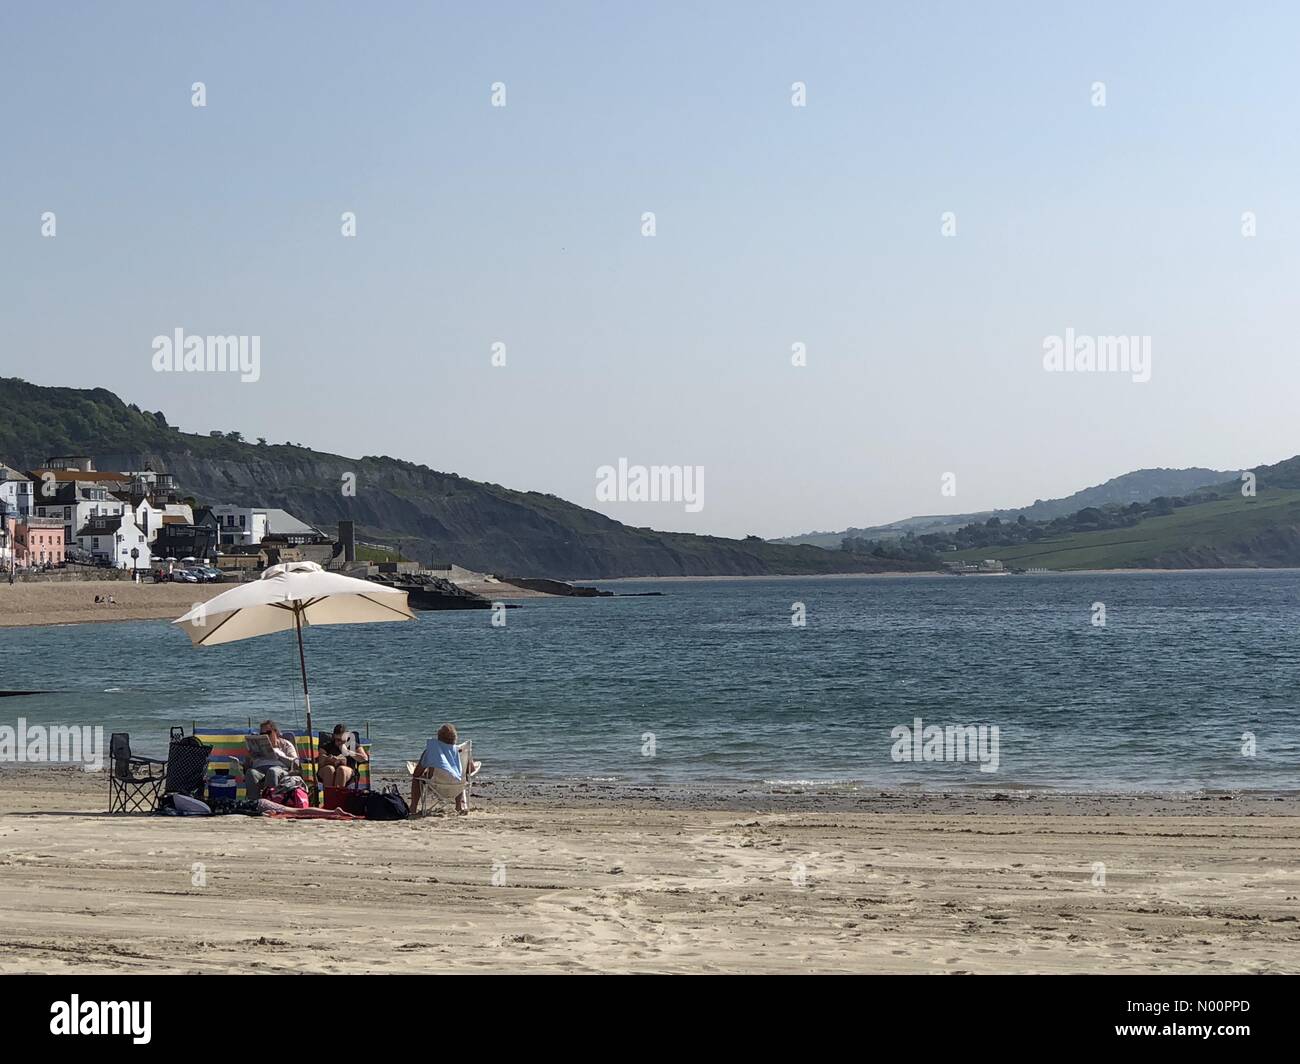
column 953, row 885
column 73, row 602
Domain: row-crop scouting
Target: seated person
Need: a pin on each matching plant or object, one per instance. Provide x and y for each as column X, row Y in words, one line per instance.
column 270, row 769
column 339, row 755
column 440, row 763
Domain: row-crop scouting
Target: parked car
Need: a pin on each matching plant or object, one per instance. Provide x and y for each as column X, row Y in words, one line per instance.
column 184, row 576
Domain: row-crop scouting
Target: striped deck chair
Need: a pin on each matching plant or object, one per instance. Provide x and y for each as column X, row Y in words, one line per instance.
column 361, row 781
column 228, row 753
column 308, row 751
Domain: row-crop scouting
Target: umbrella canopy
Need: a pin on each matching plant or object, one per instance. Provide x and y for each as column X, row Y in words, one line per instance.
column 293, row 595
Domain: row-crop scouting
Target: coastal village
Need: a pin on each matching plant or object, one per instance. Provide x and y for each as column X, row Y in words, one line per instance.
column 68, row 520
column 68, row 513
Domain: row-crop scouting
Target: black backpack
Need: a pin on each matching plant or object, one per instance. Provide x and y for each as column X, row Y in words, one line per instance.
column 386, row 805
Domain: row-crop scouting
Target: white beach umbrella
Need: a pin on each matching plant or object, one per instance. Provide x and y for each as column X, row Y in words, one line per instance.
column 293, row 595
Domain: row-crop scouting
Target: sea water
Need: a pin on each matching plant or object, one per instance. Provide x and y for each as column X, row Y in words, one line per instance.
column 1189, row 685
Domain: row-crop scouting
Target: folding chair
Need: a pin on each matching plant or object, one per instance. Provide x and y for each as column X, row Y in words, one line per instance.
column 442, row 788
column 134, row 783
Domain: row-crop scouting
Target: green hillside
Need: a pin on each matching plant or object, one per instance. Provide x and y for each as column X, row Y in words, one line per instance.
column 1229, row 532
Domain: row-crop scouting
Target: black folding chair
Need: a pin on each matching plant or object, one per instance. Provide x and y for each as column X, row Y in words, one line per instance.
column 133, row 782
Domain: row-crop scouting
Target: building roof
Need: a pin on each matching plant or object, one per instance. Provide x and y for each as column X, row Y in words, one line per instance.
column 101, row 525
column 6, row 473
column 283, row 523
column 78, row 474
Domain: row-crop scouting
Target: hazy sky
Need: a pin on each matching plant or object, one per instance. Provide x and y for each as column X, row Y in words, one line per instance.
column 775, row 225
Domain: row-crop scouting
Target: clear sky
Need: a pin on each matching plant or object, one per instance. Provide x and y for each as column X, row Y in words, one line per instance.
column 775, row 225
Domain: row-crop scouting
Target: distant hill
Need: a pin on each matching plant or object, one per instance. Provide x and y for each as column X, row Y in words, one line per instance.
column 1142, row 485
column 432, row 516
column 1230, row 532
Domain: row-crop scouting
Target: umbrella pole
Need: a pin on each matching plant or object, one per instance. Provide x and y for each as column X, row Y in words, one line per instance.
column 306, row 697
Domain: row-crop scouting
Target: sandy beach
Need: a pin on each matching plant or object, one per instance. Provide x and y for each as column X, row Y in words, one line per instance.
column 73, row 602
column 646, row 881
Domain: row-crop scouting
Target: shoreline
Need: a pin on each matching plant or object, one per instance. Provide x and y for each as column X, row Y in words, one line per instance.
column 895, row 575
column 70, row 783
column 571, row 884
column 39, row 604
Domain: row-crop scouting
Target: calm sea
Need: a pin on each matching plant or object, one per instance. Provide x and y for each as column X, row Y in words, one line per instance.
column 711, row 683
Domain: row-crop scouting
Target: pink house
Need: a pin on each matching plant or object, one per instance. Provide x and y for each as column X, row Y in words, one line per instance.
column 38, row 541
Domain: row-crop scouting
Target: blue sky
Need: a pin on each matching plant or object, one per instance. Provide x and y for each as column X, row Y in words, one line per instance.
column 775, row 225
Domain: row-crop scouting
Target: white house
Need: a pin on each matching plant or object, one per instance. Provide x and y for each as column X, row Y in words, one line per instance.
column 148, row 517
column 75, row 503
column 15, row 492
column 111, row 538
column 243, row 526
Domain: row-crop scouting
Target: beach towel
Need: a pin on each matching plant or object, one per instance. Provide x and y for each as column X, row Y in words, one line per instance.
column 284, row 812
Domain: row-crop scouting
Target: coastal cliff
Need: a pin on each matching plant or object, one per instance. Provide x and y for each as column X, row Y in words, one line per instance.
column 433, row 516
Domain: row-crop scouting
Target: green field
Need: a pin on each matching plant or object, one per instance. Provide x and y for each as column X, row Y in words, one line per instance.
column 367, row 552
column 1237, row 531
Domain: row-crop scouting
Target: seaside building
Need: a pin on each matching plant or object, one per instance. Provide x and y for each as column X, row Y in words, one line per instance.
column 249, row 526
column 74, row 503
column 180, row 539
column 15, row 492
column 38, row 541
column 148, row 481
column 110, row 538
column 7, row 527
column 80, row 463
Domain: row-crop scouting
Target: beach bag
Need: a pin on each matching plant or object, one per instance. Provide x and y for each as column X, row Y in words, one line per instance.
column 349, row 799
column 182, row 805
column 387, row 804
column 187, row 763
